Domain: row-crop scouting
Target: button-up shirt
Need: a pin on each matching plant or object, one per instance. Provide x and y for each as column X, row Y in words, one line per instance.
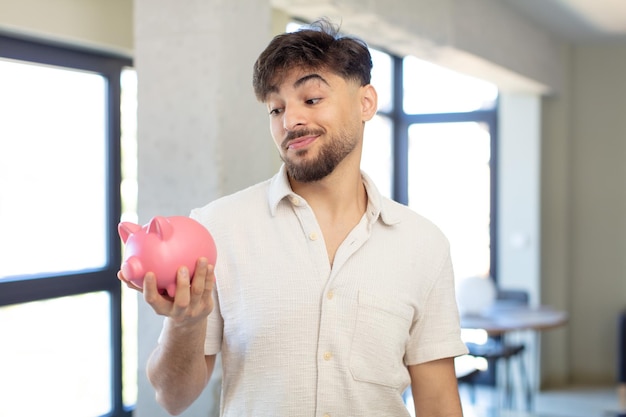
column 302, row 337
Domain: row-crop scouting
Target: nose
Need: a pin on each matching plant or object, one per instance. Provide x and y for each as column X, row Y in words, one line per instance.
column 293, row 117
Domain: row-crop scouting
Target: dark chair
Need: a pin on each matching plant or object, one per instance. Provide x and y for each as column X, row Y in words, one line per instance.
column 499, row 354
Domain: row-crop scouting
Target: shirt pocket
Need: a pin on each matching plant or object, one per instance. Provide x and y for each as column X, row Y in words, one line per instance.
column 380, row 336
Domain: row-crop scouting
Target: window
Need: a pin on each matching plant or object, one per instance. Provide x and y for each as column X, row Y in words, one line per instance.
column 60, row 302
column 432, row 146
column 449, row 183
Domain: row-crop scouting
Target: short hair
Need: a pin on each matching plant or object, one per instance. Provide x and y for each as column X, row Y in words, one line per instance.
column 318, row 46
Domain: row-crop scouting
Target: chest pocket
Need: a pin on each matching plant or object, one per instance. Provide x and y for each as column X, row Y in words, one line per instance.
column 378, row 345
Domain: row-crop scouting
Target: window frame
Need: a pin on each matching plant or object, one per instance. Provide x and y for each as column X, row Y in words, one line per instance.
column 27, row 288
column 400, row 141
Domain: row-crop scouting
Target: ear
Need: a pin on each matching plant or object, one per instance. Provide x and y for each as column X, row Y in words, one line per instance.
column 369, row 102
column 125, row 229
column 161, row 227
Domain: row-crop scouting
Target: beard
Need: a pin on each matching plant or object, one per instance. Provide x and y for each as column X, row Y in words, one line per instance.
column 330, row 155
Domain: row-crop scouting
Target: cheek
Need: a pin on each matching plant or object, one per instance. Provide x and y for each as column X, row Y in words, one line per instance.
column 277, row 131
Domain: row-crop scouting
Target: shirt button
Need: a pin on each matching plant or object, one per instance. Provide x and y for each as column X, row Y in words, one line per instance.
column 328, row 356
column 313, row 236
column 295, row 201
column 326, row 415
column 330, row 294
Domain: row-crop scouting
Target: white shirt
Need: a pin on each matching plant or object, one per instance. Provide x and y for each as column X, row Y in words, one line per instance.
column 299, row 338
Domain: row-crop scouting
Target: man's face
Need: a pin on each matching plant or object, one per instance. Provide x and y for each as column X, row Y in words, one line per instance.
column 316, row 120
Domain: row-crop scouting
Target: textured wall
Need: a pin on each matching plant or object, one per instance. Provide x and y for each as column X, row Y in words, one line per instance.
column 201, row 133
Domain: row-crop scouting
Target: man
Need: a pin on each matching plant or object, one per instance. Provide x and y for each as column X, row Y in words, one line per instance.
column 329, row 299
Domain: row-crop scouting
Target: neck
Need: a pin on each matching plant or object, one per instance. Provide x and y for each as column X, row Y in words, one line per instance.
column 341, row 194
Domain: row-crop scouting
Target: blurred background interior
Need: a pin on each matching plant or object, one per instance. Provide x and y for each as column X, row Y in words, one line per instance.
column 501, row 120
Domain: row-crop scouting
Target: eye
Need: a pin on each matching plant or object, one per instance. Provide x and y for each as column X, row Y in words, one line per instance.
column 313, row 101
column 276, row 111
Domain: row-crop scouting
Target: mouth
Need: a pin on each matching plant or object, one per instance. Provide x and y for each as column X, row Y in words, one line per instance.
column 300, row 139
column 299, row 143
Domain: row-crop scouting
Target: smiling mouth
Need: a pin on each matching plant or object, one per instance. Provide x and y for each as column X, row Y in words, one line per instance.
column 300, row 142
column 300, row 139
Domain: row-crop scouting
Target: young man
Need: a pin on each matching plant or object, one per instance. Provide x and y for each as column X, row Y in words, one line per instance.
column 330, row 299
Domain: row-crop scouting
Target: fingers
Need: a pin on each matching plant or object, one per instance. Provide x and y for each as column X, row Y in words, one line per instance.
column 202, row 280
column 182, row 297
column 192, row 298
column 201, row 286
column 151, row 293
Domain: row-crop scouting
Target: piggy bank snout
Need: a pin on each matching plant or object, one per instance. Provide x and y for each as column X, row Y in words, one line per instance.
column 132, row 268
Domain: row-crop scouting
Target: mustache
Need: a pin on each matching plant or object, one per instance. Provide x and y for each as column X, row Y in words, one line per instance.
column 295, row 134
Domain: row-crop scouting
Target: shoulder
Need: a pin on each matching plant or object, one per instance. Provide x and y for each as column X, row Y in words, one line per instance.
column 407, row 220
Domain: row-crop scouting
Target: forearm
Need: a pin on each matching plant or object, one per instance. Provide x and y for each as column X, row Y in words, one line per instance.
column 178, row 369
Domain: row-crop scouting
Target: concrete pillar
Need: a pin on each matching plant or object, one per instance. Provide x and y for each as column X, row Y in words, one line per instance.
column 201, row 133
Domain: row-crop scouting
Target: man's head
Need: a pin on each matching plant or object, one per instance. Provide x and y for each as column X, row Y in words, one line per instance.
column 318, row 47
column 316, row 89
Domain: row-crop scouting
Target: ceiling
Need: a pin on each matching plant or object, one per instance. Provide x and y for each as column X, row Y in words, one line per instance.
column 578, row 21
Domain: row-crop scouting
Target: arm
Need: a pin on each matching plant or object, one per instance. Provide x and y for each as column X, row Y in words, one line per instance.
column 435, row 390
column 178, row 368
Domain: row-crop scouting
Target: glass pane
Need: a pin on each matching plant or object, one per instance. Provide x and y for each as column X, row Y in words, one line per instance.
column 382, row 79
column 429, row 88
column 55, row 357
column 449, row 183
column 377, row 153
column 52, row 169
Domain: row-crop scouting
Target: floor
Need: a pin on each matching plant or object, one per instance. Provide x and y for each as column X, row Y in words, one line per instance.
column 575, row 401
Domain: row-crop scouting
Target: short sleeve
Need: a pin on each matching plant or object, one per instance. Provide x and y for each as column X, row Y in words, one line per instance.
column 437, row 332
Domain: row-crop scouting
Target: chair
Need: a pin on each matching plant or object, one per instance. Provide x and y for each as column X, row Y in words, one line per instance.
column 497, row 351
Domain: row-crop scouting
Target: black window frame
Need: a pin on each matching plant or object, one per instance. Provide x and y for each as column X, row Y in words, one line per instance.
column 27, row 288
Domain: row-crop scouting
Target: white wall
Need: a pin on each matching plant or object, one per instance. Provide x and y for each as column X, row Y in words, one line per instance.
column 519, row 215
column 519, row 176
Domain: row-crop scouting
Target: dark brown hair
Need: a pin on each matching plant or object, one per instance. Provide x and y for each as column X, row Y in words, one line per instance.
column 315, row 47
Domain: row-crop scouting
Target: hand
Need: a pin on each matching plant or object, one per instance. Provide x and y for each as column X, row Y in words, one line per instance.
column 192, row 300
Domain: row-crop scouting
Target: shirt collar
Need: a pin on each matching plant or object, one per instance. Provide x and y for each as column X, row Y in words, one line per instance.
column 377, row 205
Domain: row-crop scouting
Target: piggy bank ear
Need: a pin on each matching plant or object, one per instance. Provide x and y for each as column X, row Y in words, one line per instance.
column 125, row 229
column 161, row 226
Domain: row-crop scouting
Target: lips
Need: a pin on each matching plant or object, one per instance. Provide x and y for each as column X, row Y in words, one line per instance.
column 300, row 142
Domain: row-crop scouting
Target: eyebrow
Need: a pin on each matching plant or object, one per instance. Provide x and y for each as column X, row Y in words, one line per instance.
column 299, row 82
column 309, row 77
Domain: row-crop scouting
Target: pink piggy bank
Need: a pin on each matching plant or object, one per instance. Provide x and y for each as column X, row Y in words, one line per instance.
column 162, row 246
